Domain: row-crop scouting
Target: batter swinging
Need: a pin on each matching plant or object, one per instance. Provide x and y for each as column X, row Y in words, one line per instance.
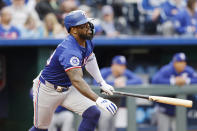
column 61, row 81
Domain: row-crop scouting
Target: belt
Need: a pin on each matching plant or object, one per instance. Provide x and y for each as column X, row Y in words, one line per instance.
column 57, row 88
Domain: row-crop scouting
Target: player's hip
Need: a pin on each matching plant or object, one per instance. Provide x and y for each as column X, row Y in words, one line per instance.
column 41, row 89
column 49, row 86
column 56, row 87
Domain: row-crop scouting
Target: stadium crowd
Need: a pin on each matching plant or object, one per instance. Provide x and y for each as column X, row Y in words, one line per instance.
column 44, row 18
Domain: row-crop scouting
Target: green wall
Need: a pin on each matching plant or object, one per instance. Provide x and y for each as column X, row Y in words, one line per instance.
column 20, row 70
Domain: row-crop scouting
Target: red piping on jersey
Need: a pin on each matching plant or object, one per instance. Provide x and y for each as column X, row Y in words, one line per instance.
column 72, row 68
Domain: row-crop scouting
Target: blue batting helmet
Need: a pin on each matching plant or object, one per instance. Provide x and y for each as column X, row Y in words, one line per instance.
column 75, row 18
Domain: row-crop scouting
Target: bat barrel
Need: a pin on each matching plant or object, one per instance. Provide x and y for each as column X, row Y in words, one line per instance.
column 171, row 101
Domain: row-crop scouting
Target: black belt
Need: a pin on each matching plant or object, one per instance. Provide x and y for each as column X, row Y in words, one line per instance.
column 56, row 87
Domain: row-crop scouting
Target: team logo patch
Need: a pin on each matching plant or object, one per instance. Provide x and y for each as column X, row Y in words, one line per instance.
column 74, row 61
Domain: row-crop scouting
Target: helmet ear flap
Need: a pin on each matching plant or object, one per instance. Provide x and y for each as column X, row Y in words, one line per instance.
column 92, row 27
column 69, row 30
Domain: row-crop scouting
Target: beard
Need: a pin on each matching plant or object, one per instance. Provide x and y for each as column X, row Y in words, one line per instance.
column 86, row 36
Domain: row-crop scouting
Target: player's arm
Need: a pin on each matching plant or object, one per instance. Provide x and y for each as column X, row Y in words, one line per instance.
column 76, row 77
column 192, row 76
column 163, row 76
column 132, row 78
column 93, row 69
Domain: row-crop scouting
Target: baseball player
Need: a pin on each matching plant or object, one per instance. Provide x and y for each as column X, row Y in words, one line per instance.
column 61, row 81
column 177, row 72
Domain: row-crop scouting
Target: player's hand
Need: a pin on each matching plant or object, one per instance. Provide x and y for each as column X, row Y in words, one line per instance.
column 180, row 81
column 107, row 105
column 120, row 82
column 108, row 89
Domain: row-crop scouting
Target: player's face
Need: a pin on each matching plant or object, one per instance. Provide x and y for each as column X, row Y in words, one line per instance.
column 118, row 69
column 180, row 66
column 85, row 31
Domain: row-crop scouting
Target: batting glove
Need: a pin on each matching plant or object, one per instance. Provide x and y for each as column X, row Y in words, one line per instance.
column 107, row 105
column 108, row 89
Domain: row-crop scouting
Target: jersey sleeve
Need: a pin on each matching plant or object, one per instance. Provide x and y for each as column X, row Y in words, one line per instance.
column 132, row 78
column 70, row 60
column 192, row 75
column 162, row 76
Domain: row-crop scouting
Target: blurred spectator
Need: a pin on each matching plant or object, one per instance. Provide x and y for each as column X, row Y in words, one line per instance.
column 20, row 13
column 87, row 9
column 169, row 10
column 31, row 4
column 31, row 29
column 47, row 6
column 150, row 10
column 68, row 6
column 177, row 72
column 52, row 28
column 113, row 27
column 97, row 23
column 108, row 21
column 118, row 76
column 6, row 29
column 186, row 19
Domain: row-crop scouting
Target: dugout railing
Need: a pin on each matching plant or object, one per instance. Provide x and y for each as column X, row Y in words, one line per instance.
column 161, row 90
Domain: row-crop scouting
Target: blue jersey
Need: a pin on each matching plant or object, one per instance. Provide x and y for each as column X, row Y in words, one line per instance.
column 9, row 2
column 163, row 77
column 150, row 5
column 183, row 20
column 130, row 77
column 166, row 13
column 11, row 33
column 68, row 55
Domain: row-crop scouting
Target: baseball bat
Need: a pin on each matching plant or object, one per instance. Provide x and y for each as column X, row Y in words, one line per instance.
column 160, row 99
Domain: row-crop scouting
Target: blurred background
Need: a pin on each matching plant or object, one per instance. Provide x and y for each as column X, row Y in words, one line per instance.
column 147, row 32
